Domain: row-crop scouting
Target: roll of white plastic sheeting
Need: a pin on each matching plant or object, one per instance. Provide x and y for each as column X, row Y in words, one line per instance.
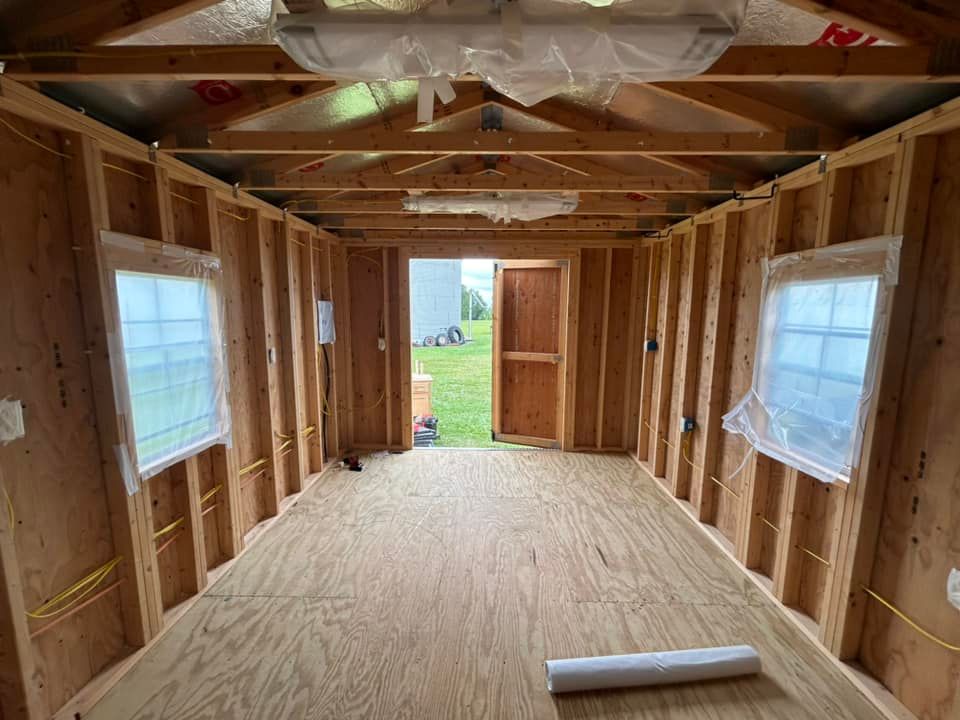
column 656, row 668
column 537, row 50
column 496, row 206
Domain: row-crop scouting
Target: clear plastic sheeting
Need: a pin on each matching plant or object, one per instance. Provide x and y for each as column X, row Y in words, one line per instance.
column 499, row 207
column 528, row 50
column 822, row 315
column 168, row 355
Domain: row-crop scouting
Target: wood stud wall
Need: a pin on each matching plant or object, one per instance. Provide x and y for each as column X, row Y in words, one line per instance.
column 72, row 513
column 811, row 546
column 815, row 546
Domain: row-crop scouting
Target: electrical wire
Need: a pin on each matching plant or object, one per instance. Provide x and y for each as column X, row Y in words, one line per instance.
column 812, row 554
column 118, row 168
column 214, row 491
column 909, row 621
column 361, row 256
column 253, row 466
column 242, row 218
column 33, row 141
column 184, row 198
column 876, row 596
column 11, row 516
column 81, row 589
column 369, row 407
column 683, row 450
column 169, row 528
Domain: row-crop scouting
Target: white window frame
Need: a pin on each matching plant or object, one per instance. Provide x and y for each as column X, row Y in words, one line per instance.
column 756, row 416
column 128, row 253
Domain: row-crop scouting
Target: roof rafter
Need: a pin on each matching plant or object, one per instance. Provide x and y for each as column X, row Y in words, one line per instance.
column 263, row 99
column 70, row 24
column 465, row 102
column 739, row 63
column 566, row 119
column 721, row 99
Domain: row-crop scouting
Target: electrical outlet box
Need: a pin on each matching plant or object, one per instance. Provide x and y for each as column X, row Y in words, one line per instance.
column 651, row 346
column 326, row 332
column 687, row 424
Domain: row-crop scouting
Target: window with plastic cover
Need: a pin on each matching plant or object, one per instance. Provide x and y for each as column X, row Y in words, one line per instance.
column 823, row 313
column 168, row 354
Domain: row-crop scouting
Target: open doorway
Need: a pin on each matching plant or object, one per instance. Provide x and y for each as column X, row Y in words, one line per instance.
column 451, row 316
column 489, row 341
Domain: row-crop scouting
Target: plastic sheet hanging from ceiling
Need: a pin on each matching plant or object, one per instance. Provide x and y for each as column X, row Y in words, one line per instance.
column 528, row 50
column 498, row 207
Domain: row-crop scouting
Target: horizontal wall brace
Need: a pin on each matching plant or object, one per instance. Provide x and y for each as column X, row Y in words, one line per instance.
column 611, row 142
column 742, row 63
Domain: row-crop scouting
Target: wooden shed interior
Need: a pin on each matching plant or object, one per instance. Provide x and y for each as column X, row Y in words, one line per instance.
column 259, row 578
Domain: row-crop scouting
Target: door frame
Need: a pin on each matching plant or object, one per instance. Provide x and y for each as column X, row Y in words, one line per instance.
column 570, row 253
column 559, row 359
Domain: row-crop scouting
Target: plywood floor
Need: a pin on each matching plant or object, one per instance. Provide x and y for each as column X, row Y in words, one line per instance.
column 434, row 584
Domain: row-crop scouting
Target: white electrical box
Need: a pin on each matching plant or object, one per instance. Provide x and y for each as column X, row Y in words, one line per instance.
column 326, row 333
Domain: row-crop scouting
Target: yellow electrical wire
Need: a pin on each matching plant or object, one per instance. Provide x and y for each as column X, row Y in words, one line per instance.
column 325, row 410
column 34, row 141
column 308, row 431
column 360, row 255
column 84, row 587
column 876, row 596
column 169, row 528
column 812, row 554
column 692, row 464
column 243, row 218
column 370, row 407
column 284, row 445
column 216, row 489
column 900, row 614
column 769, row 524
column 118, row 168
column 282, row 436
column 184, row 198
column 10, row 514
column 253, row 466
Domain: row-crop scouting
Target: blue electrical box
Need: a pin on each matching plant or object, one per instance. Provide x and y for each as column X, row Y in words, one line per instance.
column 651, row 346
column 687, row 424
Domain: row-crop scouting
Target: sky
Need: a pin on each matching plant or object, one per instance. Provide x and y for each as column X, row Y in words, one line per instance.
column 478, row 274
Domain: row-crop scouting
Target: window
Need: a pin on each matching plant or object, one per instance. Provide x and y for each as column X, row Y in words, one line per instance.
column 822, row 314
column 169, row 366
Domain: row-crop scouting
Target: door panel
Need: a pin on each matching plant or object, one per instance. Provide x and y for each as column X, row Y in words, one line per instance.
column 529, row 338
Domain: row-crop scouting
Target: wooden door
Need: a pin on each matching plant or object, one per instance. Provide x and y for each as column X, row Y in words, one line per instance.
column 529, row 342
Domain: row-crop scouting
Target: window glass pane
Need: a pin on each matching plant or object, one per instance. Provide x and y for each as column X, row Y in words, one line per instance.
column 170, row 364
column 814, row 375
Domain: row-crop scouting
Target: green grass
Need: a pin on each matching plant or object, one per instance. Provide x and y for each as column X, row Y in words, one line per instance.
column 462, row 387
